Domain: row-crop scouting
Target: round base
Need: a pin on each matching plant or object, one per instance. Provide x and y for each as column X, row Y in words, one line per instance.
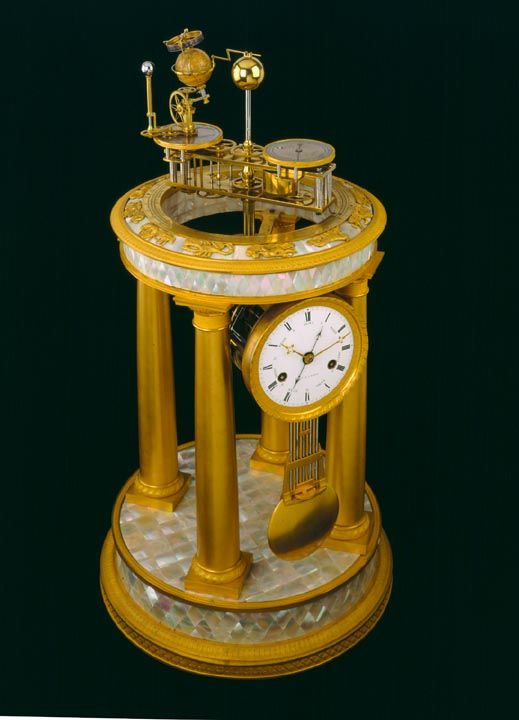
column 290, row 616
column 268, row 660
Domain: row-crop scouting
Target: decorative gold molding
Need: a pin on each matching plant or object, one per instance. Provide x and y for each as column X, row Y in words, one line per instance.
column 133, row 211
column 207, row 248
column 215, row 658
column 269, row 250
column 252, row 266
column 210, row 576
column 176, row 487
column 360, row 217
column 328, row 237
column 362, row 197
column 150, row 231
column 208, row 319
column 141, row 190
column 139, row 493
column 245, row 672
column 226, row 584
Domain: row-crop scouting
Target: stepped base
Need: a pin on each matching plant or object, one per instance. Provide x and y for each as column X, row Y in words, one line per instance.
column 290, row 615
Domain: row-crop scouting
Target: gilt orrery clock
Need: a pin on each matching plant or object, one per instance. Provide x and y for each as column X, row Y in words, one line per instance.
column 247, row 555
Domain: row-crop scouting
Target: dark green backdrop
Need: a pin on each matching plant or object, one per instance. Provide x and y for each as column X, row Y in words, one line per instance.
column 420, row 104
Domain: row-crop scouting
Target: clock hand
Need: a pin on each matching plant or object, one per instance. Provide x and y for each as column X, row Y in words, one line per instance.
column 297, row 378
column 311, row 351
column 290, row 348
column 329, row 346
column 317, row 338
column 326, row 348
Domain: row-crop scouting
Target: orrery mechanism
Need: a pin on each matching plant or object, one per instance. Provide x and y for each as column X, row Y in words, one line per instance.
column 292, row 173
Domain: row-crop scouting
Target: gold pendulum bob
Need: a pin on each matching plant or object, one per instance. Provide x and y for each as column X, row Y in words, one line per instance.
column 307, row 511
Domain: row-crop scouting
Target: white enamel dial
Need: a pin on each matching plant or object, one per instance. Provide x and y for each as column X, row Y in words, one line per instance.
column 306, row 356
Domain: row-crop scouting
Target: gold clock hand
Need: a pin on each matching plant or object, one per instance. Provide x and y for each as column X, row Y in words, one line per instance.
column 327, row 348
column 291, row 348
column 340, row 339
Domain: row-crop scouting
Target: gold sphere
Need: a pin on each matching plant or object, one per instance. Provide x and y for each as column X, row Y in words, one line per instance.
column 193, row 67
column 247, row 72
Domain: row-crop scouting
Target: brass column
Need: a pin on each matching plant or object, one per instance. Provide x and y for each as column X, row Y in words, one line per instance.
column 158, row 482
column 219, row 567
column 346, row 449
column 271, row 453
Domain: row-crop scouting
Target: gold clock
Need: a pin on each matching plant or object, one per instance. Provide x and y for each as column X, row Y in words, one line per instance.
column 264, row 553
column 300, row 359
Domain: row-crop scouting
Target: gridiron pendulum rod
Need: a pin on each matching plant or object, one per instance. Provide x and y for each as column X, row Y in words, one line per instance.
column 301, row 450
column 316, row 448
column 316, row 445
column 294, row 455
column 294, row 450
column 290, row 456
column 305, row 451
column 298, row 451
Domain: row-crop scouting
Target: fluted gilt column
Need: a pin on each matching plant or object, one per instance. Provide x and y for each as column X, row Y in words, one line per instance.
column 346, row 449
column 158, row 482
column 219, row 567
column 271, row 453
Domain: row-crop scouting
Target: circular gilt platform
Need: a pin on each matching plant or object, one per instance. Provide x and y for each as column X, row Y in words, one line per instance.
column 290, row 616
column 158, row 246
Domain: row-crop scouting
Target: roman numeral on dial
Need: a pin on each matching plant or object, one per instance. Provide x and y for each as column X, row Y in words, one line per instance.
column 273, row 385
column 308, row 315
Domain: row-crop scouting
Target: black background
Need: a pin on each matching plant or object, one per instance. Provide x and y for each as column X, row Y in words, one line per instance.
column 420, row 102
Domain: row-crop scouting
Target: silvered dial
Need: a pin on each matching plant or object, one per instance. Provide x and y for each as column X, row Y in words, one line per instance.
column 305, row 357
column 299, row 152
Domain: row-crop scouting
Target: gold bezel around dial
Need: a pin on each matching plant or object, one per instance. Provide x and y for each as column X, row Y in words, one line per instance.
column 259, row 336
